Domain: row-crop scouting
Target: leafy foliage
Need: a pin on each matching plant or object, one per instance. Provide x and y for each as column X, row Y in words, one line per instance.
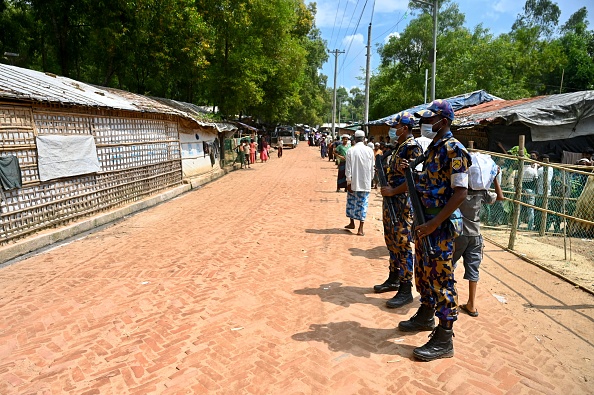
column 529, row 60
column 245, row 56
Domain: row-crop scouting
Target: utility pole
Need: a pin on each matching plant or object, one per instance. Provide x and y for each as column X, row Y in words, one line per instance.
column 435, row 6
column 367, row 76
column 425, row 98
column 336, row 52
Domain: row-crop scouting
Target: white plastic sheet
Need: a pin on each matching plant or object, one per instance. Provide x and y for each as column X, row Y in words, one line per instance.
column 66, row 156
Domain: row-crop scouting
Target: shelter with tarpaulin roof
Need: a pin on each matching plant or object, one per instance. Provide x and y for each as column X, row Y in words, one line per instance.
column 378, row 128
column 561, row 125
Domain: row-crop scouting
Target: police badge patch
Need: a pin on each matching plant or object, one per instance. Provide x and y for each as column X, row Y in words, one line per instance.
column 457, row 163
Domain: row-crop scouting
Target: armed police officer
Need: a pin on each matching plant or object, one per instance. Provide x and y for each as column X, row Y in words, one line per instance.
column 397, row 231
column 442, row 186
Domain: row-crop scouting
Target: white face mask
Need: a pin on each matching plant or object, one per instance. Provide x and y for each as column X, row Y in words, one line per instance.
column 427, row 131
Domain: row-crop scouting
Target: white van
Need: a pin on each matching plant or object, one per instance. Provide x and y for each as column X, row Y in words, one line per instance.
column 285, row 135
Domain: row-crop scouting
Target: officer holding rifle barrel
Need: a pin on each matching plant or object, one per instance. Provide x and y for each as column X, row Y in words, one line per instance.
column 398, row 222
column 441, row 186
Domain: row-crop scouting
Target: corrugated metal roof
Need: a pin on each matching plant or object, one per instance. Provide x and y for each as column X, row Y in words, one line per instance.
column 33, row 86
column 553, row 110
column 475, row 113
column 29, row 85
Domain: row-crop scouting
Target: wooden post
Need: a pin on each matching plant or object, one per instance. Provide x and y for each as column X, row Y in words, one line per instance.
column 517, row 194
column 470, row 144
column 565, row 189
column 545, row 198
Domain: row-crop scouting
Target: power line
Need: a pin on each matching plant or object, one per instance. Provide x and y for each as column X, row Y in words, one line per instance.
column 354, row 32
column 376, row 38
column 335, row 17
column 342, row 20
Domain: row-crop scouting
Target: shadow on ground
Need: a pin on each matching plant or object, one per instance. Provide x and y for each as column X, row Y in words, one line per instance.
column 546, row 310
column 344, row 296
column 354, row 339
column 331, row 231
column 378, row 252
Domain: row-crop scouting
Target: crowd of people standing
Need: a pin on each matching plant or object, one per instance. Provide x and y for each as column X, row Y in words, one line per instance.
column 248, row 151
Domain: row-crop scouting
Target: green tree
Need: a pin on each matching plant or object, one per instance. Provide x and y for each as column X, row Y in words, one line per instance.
column 313, row 99
column 542, row 15
column 574, row 57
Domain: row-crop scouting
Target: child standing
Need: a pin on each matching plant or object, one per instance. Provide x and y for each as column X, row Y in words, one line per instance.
column 264, row 152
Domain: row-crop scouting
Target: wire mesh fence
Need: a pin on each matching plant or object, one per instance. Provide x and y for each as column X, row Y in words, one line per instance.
column 547, row 214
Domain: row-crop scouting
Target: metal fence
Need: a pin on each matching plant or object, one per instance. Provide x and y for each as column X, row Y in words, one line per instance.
column 547, row 214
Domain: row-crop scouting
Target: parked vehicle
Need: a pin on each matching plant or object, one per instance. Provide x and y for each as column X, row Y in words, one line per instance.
column 285, row 135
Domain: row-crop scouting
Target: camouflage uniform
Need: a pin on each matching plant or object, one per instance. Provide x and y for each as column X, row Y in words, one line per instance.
column 398, row 236
column 434, row 275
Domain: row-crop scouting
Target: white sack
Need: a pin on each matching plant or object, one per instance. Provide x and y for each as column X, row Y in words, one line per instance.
column 482, row 172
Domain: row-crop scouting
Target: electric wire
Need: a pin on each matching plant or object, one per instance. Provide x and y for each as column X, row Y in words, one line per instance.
column 336, row 42
column 335, row 17
column 380, row 36
column 353, row 35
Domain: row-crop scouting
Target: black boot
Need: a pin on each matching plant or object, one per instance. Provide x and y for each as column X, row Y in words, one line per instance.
column 404, row 296
column 391, row 284
column 440, row 345
column 422, row 321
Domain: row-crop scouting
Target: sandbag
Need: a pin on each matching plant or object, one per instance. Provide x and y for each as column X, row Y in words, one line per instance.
column 482, row 172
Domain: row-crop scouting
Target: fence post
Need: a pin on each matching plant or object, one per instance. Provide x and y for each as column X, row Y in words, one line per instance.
column 545, row 198
column 517, row 194
column 565, row 189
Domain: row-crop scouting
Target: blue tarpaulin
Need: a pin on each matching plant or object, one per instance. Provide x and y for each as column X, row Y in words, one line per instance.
column 458, row 102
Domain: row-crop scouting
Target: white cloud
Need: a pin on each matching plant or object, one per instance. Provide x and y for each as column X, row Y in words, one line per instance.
column 355, row 38
column 328, row 13
column 393, row 34
column 508, row 6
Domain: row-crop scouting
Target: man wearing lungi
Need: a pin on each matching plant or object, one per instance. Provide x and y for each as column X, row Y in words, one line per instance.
column 358, row 171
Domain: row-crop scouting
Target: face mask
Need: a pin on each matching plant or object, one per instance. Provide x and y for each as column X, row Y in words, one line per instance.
column 392, row 133
column 427, row 130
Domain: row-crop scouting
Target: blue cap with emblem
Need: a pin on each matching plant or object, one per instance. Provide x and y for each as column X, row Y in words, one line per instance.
column 437, row 107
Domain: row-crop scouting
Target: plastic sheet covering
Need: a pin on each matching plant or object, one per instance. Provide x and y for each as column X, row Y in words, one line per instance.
column 583, row 127
column 457, row 102
column 66, row 156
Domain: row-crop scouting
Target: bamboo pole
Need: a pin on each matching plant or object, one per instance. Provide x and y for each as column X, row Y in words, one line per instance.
column 545, row 198
column 563, row 210
column 518, row 194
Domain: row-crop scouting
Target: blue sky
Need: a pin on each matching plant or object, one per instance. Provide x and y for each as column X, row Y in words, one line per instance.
column 337, row 20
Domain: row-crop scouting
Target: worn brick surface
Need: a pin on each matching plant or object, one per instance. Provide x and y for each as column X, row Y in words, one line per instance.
column 250, row 285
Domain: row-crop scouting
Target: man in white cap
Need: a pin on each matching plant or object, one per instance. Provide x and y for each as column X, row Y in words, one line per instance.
column 358, row 171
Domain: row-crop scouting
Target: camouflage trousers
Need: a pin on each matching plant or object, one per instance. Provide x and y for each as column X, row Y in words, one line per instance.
column 434, row 273
column 398, row 238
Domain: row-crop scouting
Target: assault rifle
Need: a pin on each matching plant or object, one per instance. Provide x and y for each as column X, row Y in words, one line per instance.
column 417, row 206
column 379, row 167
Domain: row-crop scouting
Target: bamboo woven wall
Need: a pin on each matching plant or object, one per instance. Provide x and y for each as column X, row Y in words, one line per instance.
column 139, row 155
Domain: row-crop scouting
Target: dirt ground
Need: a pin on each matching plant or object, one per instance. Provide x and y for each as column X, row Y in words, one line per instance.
column 576, row 261
column 251, row 285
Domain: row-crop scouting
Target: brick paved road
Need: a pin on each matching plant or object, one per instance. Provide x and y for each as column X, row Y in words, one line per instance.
column 249, row 285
